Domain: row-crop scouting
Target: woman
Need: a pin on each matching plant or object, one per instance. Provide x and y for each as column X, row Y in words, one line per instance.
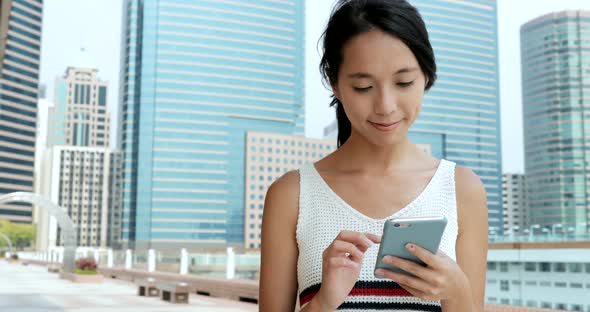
column 322, row 224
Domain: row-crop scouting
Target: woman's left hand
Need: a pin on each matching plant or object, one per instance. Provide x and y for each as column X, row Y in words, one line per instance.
column 441, row 279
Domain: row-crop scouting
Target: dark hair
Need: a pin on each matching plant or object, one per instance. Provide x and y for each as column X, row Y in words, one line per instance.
column 353, row 17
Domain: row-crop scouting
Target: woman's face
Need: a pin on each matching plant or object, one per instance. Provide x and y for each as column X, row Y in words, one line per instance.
column 381, row 87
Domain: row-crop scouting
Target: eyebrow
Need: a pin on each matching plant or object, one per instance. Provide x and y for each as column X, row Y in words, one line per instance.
column 366, row 75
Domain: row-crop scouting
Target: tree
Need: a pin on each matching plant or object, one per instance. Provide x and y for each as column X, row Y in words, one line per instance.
column 21, row 235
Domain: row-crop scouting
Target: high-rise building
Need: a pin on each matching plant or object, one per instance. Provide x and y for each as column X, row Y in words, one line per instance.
column 514, row 203
column 85, row 181
column 79, row 116
column 460, row 117
column 197, row 75
column 20, row 40
column 269, row 156
column 555, row 87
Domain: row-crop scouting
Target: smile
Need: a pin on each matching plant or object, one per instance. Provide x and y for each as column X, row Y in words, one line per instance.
column 385, row 126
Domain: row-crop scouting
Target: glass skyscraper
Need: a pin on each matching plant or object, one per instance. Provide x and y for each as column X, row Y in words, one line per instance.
column 20, row 41
column 460, row 117
column 196, row 76
column 555, row 88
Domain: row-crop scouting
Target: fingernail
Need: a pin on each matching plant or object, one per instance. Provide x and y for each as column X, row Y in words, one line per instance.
column 369, row 242
column 379, row 273
column 387, row 258
column 410, row 246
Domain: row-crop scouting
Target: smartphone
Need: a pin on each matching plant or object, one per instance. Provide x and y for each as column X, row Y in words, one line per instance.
column 423, row 231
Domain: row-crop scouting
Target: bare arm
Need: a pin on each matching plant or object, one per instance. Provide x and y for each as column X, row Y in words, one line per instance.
column 278, row 270
column 472, row 240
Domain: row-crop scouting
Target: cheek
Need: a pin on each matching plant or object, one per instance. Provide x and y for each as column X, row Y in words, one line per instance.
column 356, row 107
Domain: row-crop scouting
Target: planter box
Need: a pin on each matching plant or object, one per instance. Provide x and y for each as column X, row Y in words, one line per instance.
column 79, row 278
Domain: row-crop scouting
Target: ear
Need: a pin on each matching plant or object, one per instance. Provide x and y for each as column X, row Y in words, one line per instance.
column 335, row 90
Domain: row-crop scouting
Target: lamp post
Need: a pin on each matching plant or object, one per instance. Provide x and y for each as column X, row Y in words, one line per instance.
column 553, row 226
column 532, row 229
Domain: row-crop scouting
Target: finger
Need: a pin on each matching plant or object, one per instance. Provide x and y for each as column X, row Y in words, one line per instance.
column 357, row 238
column 342, row 262
column 426, row 274
column 374, row 238
column 339, row 248
column 422, row 254
column 405, row 280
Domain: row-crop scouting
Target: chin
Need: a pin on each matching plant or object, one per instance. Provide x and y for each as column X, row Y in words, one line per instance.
column 384, row 140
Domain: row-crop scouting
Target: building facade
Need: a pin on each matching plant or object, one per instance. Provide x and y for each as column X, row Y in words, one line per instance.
column 268, row 157
column 514, row 203
column 20, row 44
column 555, row 84
column 460, row 117
column 540, row 275
column 79, row 116
column 209, row 71
column 85, row 181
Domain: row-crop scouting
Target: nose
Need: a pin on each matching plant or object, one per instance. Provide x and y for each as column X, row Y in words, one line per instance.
column 385, row 103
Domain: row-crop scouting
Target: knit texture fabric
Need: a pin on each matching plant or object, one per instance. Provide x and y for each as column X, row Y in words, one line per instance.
column 323, row 215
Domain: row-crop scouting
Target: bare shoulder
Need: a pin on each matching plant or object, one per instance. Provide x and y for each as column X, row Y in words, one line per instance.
column 468, row 182
column 287, row 186
column 471, row 198
column 282, row 197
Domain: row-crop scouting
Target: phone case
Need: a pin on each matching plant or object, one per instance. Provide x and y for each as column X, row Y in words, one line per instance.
column 424, row 231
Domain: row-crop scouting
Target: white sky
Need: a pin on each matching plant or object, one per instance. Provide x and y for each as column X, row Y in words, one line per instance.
column 95, row 25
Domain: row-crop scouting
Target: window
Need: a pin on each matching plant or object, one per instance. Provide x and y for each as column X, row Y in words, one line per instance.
column 530, row 266
column 516, row 302
column 559, row 267
column 561, row 284
column 576, row 285
column 575, row 267
column 504, row 286
column 577, row 307
column 545, row 267
column 503, row 266
column 492, row 266
column 546, row 305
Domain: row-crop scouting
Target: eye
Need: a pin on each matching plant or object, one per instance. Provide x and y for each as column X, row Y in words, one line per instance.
column 362, row 89
column 405, row 84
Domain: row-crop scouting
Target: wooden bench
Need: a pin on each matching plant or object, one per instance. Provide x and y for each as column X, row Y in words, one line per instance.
column 173, row 291
column 147, row 287
column 54, row 268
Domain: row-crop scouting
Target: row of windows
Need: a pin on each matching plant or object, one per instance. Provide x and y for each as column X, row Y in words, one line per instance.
column 560, row 267
column 537, row 304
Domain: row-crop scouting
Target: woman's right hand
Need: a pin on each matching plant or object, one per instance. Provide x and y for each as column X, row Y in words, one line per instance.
column 341, row 266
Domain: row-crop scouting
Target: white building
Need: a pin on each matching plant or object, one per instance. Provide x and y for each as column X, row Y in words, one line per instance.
column 514, row 204
column 542, row 275
column 80, row 116
column 86, row 182
column 268, row 157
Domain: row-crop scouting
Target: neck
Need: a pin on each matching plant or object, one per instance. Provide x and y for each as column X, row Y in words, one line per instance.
column 374, row 159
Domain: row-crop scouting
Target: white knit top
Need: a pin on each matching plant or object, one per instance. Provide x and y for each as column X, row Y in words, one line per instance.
column 323, row 214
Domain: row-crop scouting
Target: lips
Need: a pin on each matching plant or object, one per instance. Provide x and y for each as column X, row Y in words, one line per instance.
column 385, row 126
